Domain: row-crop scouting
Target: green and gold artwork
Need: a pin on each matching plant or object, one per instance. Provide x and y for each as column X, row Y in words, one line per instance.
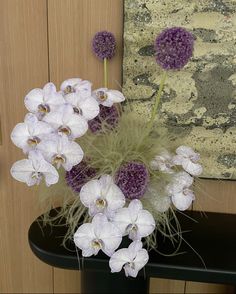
column 198, row 105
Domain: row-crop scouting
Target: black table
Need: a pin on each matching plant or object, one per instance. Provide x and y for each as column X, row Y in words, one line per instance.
column 212, row 236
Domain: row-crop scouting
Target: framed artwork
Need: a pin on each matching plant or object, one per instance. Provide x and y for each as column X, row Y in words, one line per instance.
column 198, row 106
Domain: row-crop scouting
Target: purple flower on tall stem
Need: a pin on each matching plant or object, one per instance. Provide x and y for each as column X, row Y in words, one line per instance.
column 79, row 175
column 132, row 178
column 108, row 116
column 104, row 45
column 174, row 48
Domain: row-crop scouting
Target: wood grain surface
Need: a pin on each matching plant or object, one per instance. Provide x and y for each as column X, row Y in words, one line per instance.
column 23, row 66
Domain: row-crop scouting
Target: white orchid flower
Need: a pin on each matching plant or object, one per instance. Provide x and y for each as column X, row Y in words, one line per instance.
column 108, row 97
column 188, row 159
column 163, row 163
column 65, row 121
column 98, row 235
column 32, row 170
column 134, row 221
column 131, row 259
column 60, row 151
column 28, row 134
column 102, row 195
column 42, row 101
column 87, row 107
column 181, row 196
column 76, row 85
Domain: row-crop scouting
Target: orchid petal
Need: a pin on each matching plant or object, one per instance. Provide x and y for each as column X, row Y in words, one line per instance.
column 185, row 151
column 135, row 207
column 33, row 99
column 141, row 259
column 90, row 108
column 182, row 201
column 22, row 171
column 133, row 248
column 20, row 135
column 118, row 260
column 122, row 219
column 111, row 192
column 83, row 238
column 195, row 169
column 146, row 223
column 90, row 192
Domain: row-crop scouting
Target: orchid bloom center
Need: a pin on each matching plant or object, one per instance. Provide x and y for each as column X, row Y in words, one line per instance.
column 101, row 203
column 36, row 175
column 194, row 158
column 168, row 164
column 102, row 95
column 186, row 191
column 132, row 229
column 43, row 108
column 97, row 244
column 58, row 160
column 64, row 130
column 130, row 264
column 69, row 89
column 77, row 110
column 33, row 141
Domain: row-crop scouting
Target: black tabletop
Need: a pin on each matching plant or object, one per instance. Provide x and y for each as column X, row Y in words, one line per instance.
column 208, row 251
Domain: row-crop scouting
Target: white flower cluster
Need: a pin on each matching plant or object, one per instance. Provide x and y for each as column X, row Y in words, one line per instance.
column 55, row 120
column 111, row 221
column 178, row 191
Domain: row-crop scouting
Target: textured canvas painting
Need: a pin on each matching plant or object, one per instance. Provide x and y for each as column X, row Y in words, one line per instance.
column 198, row 105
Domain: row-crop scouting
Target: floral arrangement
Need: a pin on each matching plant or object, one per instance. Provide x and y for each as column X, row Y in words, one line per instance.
column 116, row 177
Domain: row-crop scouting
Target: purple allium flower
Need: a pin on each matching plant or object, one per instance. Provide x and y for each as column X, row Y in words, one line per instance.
column 104, row 45
column 108, row 115
column 79, row 175
column 174, row 48
column 132, row 178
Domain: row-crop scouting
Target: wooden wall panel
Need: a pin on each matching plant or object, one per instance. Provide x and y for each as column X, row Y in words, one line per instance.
column 216, row 196
column 66, row 281
column 203, row 288
column 23, row 65
column 164, row 286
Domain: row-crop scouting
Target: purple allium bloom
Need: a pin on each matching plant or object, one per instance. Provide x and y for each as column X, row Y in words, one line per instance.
column 79, row 175
column 132, row 178
column 104, row 45
column 174, row 48
column 109, row 115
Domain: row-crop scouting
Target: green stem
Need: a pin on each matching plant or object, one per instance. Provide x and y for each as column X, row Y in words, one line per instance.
column 157, row 102
column 105, row 72
column 150, row 124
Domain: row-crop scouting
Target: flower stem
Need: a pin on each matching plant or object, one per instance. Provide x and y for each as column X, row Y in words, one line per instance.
column 157, row 102
column 105, row 72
